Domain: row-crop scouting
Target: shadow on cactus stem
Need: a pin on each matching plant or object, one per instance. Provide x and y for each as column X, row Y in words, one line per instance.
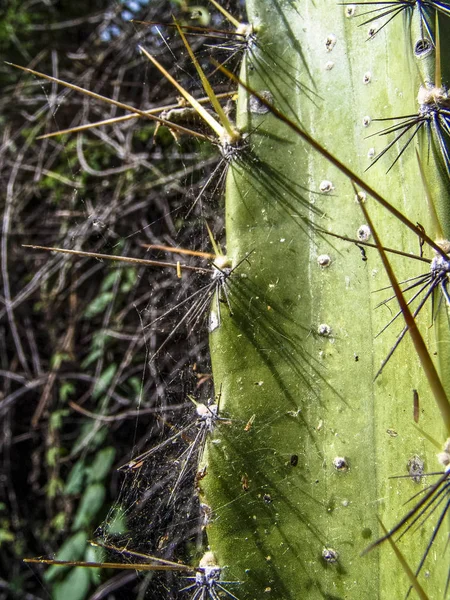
column 424, row 356
column 258, row 317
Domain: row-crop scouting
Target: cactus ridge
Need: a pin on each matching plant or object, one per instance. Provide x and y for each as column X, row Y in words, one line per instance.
column 441, row 488
column 423, row 287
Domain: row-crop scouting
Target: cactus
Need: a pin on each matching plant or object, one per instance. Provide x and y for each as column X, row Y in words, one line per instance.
column 296, row 493
column 298, row 472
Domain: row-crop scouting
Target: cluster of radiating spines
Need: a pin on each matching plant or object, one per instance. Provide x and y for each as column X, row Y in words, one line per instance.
column 417, row 290
column 223, row 132
column 379, row 14
column 219, row 276
column 433, row 503
column 440, row 269
column 422, row 287
column 233, row 41
column 206, row 583
column 228, row 137
column 433, row 115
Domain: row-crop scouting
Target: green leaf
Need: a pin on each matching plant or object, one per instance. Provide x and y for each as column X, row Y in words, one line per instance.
column 66, row 389
column 94, row 554
column 130, row 280
column 52, row 455
column 5, row 535
column 74, row 587
column 135, row 384
column 57, row 359
column 97, row 348
column 56, row 419
column 95, row 439
column 59, row 521
column 110, row 280
column 98, row 305
column 54, row 487
column 90, row 504
column 71, row 549
column 75, row 478
column 102, row 383
column 101, row 465
column 92, row 357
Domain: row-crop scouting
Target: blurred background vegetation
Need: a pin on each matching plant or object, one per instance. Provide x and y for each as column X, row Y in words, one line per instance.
column 79, row 395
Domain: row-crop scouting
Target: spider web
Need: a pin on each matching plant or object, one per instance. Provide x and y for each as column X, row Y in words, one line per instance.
column 142, row 194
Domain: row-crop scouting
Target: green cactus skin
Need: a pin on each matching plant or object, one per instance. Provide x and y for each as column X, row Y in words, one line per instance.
column 296, row 493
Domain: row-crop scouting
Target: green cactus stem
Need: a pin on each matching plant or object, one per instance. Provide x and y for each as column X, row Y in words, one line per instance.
column 297, row 480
